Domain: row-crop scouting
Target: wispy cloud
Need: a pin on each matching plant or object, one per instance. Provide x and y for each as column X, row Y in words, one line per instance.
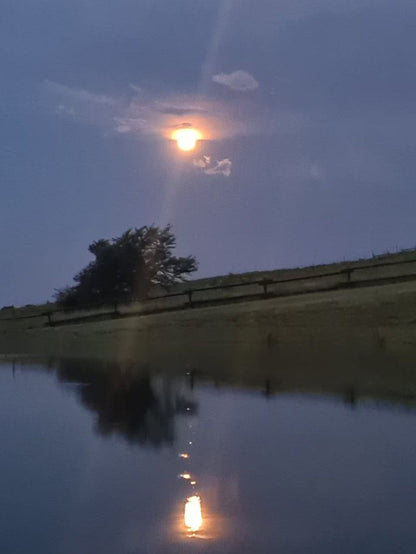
column 66, row 110
column 237, row 80
column 221, row 167
column 170, row 109
column 144, row 114
column 215, row 119
column 82, row 105
column 79, row 94
column 202, row 162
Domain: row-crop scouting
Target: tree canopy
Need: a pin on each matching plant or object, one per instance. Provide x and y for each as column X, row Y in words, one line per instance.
column 127, row 267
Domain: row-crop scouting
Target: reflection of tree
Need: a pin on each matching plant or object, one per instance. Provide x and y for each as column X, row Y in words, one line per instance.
column 127, row 403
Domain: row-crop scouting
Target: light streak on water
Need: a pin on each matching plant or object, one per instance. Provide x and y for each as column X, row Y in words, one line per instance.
column 193, row 513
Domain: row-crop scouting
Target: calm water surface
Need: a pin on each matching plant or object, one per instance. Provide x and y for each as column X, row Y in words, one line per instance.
column 106, row 460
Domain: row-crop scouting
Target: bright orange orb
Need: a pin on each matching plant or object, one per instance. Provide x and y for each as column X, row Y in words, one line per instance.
column 186, row 139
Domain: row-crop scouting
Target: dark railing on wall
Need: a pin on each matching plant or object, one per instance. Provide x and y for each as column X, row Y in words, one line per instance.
column 264, row 285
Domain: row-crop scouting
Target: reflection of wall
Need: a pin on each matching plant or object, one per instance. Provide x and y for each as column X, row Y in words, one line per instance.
column 364, row 337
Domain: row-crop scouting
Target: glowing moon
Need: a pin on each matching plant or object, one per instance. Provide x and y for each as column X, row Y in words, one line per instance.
column 186, row 139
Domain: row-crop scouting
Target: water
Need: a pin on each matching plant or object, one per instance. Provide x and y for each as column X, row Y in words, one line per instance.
column 92, row 458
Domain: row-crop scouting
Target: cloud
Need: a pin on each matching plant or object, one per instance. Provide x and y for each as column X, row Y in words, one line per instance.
column 316, row 172
column 82, row 105
column 79, row 94
column 237, row 80
column 205, row 161
column 215, row 119
column 67, row 110
column 179, row 110
column 141, row 113
column 222, row 167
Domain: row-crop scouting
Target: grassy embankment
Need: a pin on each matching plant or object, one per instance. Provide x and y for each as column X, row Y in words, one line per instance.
column 316, row 327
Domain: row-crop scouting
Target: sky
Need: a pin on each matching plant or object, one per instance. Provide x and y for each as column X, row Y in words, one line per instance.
column 306, row 111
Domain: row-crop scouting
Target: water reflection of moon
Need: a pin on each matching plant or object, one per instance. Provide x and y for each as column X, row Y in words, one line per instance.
column 193, row 513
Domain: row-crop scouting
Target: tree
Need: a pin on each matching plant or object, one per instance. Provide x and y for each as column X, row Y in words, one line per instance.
column 127, row 267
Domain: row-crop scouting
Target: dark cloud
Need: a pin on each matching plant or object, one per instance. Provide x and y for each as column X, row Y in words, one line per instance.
column 171, row 110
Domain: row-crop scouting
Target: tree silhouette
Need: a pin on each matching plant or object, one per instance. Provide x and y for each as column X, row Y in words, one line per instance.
column 127, row 267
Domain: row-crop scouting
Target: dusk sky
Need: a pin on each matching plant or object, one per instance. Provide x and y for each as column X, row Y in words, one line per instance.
column 306, row 109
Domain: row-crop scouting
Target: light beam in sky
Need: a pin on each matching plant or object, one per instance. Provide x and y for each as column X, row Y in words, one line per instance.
column 186, row 139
